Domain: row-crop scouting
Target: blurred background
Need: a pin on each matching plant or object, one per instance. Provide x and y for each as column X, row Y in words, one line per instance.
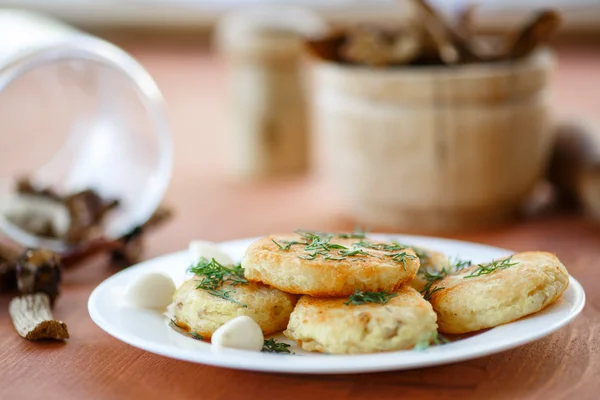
column 216, row 74
column 203, row 14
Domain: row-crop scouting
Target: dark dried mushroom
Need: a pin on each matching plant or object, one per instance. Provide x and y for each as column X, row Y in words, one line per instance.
column 87, row 210
column 439, row 42
column 537, row 31
column 124, row 251
column 372, row 45
column 25, row 186
column 8, row 267
column 39, row 271
column 72, row 218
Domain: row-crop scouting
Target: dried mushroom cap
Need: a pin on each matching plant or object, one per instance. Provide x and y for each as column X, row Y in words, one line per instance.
column 537, row 31
column 371, row 45
column 8, row 276
column 86, row 209
column 8, row 267
column 39, row 271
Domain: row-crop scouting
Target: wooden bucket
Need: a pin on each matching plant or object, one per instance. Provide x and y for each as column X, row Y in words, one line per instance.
column 435, row 148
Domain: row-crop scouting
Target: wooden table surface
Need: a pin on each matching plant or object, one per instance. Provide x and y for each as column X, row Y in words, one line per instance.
column 93, row 365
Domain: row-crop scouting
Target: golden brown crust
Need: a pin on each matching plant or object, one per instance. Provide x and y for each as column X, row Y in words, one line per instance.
column 475, row 303
column 328, row 325
column 265, row 262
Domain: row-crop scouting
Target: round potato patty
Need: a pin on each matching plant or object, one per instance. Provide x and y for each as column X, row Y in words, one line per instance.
column 330, row 326
column 328, row 266
column 471, row 300
column 198, row 311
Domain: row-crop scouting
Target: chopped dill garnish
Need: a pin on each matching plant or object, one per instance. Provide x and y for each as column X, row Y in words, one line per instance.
column 319, row 244
column 427, row 291
column 401, row 257
column 391, row 248
column 288, row 244
column 224, row 294
column 485, row 269
column 323, row 244
column 459, row 264
column 354, row 252
column 432, row 275
column 272, row 346
column 429, row 339
column 359, row 298
column 193, row 335
column 214, row 275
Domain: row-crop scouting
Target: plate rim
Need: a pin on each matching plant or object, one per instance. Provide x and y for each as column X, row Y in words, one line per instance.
column 237, row 359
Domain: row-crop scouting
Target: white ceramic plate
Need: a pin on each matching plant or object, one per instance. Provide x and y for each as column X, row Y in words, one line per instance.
column 149, row 330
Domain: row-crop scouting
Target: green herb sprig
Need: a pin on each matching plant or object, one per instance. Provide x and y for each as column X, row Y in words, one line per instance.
column 360, row 298
column 354, row 253
column 401, row 258
column 193, row 335
column 318, row 244
column 287, row 244
column 430, row 339
column 485, row 269
column 432, row 275
column 272, row 346
column 215, row 275
column 393, row 250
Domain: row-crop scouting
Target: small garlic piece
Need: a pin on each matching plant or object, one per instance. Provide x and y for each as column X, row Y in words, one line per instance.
column 239, row 333
column 153, row 290
column 208, row 250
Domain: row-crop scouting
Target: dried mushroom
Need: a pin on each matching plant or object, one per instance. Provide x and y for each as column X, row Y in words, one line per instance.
column 73, row 218
column 431, row 41
column 86, row 211
column 33, row 320
column 36, row 274
column 537, row 31
column 39, row 271
column 371, row 45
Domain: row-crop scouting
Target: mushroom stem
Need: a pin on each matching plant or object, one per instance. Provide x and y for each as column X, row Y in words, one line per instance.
column 32, row 316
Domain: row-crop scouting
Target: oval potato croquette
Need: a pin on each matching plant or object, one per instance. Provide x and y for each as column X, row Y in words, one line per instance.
column 330, row 326
column 198, row 311
column 318, row 271
column 467, row 304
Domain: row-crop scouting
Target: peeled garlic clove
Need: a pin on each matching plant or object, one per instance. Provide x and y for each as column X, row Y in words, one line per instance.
column 208, row 250
column 239, row 333
column 152, row 290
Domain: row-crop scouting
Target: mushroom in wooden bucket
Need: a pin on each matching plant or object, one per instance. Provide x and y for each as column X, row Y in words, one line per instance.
column 430, row 127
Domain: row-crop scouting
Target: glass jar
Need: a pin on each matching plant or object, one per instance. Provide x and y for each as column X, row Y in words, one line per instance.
column 78, row 113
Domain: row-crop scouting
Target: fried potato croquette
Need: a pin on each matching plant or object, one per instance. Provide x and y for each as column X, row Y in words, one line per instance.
column 475, row 298
column 330, row 326
column 432, row 261
column 328, row 266
column 199, row 311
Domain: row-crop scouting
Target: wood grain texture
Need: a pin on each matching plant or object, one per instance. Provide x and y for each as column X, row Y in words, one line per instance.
column 93, row 365
column 466, row 143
